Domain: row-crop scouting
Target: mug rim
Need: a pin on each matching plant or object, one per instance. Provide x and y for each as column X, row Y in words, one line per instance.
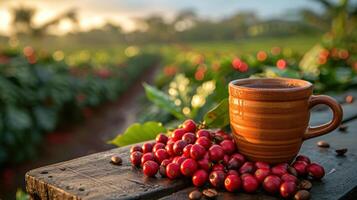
column 299, row 85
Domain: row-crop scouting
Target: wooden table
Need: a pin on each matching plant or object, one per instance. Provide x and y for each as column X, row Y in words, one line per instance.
column 94, row 177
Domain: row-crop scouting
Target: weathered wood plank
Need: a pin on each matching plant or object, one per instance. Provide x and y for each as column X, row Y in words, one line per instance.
column 340, row 181
column 93, row 177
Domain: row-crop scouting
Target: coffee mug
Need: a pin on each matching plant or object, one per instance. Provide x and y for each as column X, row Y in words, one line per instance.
column 270, row 117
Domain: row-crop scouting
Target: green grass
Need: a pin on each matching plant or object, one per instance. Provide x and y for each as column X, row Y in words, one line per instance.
column 298, row 43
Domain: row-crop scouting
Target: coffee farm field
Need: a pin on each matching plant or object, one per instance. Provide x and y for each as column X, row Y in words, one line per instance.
column 40, row 91
column 42, row 87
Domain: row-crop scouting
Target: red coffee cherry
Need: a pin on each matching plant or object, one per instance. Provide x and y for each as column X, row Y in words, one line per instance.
column 204, row 164
column 232, row 183
column 179, row 160
column 188, row 167
column 288, row 189
column 271, row 184
column 303, row 158
column 161, row 155
column 199, row 178
column 147, row 156
column 216, row 153
column 244, row 175
column 239, row 156
column 280, row 169
column 232, row 172
column 289, row 177
column 173, row 171
column 178, row 147
column 166, row 162
column 162, row 138
column 218, row 167
column 197, row 151
column 216, row 179
column 234, row 163
column 204, row 141
column 147, row 147
column 247, row 167
column 203, row 133
column 228, row 146
column 187, row 150
column 150, row 168
column 190, row 138
column 177, row 134
column 300, row 167
column 226, row 159
column 250, row 183
column 158, row 146
column 315, row 171
column 136, row 148
column 262, row 165
column 135, row 158
column 260, row 174
column 189, row 125
column 170, row 148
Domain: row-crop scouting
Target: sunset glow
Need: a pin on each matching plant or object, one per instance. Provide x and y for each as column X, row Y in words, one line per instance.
column 94, row 14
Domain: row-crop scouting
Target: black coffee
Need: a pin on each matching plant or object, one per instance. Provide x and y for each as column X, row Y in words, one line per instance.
column 269, row 85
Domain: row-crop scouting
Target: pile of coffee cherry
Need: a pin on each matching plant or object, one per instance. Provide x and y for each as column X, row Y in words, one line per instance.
column 210, row 157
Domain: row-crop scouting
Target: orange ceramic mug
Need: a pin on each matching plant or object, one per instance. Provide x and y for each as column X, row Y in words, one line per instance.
column 270, row 117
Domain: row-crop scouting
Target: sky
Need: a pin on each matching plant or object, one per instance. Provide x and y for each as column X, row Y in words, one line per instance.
column 94, row 13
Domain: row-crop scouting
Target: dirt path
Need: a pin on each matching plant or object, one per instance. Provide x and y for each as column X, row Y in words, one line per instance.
column 104, row 123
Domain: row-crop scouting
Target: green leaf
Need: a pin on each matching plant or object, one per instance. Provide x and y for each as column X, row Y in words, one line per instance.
column 138, row 133
column 218, row 117
column 162, row 100
column 21, row 195
column 45, row 117
column 17, row 118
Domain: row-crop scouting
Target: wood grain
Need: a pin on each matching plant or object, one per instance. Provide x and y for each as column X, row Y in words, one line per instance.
column 94, row 177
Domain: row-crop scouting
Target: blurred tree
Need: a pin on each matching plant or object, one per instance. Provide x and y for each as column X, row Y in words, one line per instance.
column 339, row 17
column 23, row 21
column 184, row 20
column 155, row 28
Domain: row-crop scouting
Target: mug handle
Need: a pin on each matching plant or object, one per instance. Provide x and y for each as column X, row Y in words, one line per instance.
column 329, row 126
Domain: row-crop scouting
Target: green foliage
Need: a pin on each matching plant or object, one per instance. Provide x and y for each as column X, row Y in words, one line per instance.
column 217, row 117
column 138, row 133
column 329, row 65
column 38, row 93
column 162, row 100
column 21, row 195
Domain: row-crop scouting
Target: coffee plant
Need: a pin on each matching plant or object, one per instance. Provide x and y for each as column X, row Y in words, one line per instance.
column 38, row 93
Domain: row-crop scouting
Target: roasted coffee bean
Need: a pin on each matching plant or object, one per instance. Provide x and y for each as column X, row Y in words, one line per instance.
column 210, row 193
column 116, row 160
column 292, row 171
column 323, row 144
column 341, row 152
column 305, row 185
column 349, row 99
column 302, row 195
column 343, row 128
column 195, row 195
